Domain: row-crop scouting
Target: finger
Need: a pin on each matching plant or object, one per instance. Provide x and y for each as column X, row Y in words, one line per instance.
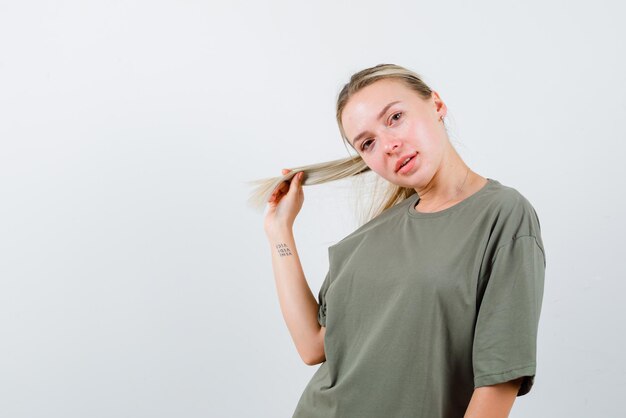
column 283, row 186
column 279, row 194
column 276, row 191
column 296, row 183
column 280, row 190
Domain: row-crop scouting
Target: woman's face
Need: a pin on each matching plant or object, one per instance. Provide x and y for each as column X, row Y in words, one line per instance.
column 387, row 122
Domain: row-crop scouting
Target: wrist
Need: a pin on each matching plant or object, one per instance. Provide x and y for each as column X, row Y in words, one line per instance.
column 279, row 232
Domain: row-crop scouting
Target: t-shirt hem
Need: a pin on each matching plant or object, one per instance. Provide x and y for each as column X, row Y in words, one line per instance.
column 528, row 372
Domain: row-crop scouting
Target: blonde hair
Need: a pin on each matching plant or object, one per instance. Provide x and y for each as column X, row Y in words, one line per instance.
column 353, row 165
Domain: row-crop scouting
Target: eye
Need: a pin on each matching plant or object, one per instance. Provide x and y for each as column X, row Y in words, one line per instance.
column 364, row 143
column 396, row 114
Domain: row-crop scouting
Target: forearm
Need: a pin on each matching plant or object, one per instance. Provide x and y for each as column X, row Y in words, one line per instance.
column 297, row 303
column 493, row 401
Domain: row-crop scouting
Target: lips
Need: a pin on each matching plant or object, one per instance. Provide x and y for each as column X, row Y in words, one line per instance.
column 402, row 159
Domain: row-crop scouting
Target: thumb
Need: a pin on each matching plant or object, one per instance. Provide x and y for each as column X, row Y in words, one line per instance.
column 296, row 183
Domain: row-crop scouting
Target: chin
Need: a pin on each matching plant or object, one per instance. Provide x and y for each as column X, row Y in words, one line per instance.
column 401, row 184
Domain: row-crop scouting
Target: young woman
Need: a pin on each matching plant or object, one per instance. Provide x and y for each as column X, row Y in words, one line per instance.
column 430, row 309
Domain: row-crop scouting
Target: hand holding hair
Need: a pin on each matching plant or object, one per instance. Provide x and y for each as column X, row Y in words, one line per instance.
column 283, row 187
column 284, row 204
column 312, row 174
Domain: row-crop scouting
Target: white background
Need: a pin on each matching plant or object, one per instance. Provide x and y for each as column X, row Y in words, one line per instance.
column 136, row 282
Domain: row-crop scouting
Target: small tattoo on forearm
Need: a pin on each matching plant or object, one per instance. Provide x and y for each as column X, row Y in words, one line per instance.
column 283, row 250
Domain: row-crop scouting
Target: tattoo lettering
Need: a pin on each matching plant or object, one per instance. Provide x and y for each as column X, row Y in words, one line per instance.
column 283, row 250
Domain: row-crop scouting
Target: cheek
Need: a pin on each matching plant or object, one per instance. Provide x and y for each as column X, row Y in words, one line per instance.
column 378, row 166
column 374, row 163
column 426, row 141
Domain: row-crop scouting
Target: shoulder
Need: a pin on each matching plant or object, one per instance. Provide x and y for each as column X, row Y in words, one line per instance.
column 507, row 198
column 513, row 215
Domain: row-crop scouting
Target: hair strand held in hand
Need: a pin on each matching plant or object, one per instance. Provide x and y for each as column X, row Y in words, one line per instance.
column 313, row 174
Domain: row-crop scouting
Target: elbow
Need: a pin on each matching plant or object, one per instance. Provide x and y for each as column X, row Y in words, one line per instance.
column 313, row 360
column 313, row 352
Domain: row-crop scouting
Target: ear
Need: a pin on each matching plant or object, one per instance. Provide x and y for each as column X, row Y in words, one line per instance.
column 440, row 107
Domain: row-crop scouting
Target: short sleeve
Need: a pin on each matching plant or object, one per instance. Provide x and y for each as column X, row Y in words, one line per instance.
column 321, row 312
column 505, row 338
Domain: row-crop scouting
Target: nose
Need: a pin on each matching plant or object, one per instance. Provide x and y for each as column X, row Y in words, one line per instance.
column 391, row 144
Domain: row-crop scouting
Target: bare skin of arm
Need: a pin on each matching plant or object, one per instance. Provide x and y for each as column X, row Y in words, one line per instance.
column 297, row 303
column 493, row 401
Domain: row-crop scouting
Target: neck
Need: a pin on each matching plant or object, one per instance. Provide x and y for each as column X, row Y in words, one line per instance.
column 449, row 184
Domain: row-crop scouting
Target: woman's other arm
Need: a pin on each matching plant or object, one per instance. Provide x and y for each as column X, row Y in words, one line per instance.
column 297, row 303
column 493, row 401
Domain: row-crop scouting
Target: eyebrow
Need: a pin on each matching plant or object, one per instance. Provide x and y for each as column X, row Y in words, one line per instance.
column 362, row 135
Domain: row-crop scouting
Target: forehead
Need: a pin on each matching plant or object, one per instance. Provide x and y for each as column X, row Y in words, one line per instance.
column 365, row 105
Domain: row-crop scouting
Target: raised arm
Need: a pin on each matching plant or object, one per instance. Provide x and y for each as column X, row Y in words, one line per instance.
column 297, row 303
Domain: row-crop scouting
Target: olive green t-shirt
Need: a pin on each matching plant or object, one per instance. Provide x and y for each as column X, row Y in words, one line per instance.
column 421, row 308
